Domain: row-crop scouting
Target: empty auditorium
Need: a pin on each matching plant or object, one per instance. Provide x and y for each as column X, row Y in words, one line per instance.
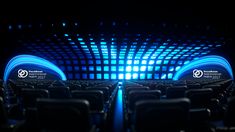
column 118, row 66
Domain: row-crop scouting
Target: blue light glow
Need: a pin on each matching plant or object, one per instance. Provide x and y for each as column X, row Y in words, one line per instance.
column 128, row 69
column 156, row 76
column 120, row 76
column 157, row 68
column 204, row 61
column 159, row 62
column 163, row 76
column 129, row 62
column 106, row 68
column 118, row 112
column 142, row 68
column 128, row 76
column 142, row 76
column 101, row 54
column 136, row 68
column 106, row 76
column 31, row 60
column 144, row 61
column 98, row 76
column 113, row 76
column 135, row 75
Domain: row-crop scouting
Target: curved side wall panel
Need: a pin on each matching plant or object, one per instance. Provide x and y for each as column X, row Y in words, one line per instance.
column 195, row 68
column 34, row 62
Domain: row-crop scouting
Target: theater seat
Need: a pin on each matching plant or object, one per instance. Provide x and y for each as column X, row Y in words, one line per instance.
column 63, row 115
column 162, row 115
column 138, row 95
column 175, row 92
column 94, row 97
column 3, row 114
column 229, row 118
column 200, row 98
column 29, row 96
column 59, row 92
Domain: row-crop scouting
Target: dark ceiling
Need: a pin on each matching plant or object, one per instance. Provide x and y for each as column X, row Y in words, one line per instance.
column 216, row 14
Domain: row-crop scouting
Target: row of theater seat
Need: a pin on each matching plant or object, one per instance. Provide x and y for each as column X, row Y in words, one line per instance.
column 56, row 106
column 148, row 105
column 178, row 105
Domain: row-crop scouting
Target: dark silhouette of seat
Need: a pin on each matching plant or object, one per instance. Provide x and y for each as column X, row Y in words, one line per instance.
column 1, row 92
column 59, row 92
column 129, row 89
column 138, row 95
column 3, row 114
column 63, row 115
column 200, row 98
column 175, row 92
column 29, row 96
column 105, row 91
column 94, row 97
column 229, row 117
column 162, row 115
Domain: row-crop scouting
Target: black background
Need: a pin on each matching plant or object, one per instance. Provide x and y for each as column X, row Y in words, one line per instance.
column 219, row 14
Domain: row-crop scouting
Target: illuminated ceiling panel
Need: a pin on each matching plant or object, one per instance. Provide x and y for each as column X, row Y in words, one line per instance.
column 115, row 56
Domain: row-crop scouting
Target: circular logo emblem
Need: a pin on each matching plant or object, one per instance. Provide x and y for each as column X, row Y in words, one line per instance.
column 22, row 73
column 197, row 73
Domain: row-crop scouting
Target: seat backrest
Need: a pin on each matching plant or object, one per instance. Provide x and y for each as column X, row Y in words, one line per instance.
column 94, row 97
column 175, row 92
column 63, row 115
column 199, row 97
column 129, row 89
column 3, row 113
column 138, row 95
column 105, row 91
column 59, row 92
column 29, row 96
column 162, row 115
column 1, row 92
column 229, row 117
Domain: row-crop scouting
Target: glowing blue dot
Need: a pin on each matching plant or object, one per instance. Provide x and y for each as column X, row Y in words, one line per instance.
column 144, row 62
column 177, row 68
column 106, row 76
column 19, row 26
column 128, row 69
column 163, row 76
column 121, row 68
column 136, row 68
column 129, row 62
column 120, row 76
column 151, row 62
column 113, row 76
column 142, row 76
column 9, row 27
column 170, row 75
column 142, row 68
column 80, row 39
column 157, row 68
column 135, row 76
column 98, row 76
column 159, row 62
column 128, row 76
column 102, row 42
column 156, row 76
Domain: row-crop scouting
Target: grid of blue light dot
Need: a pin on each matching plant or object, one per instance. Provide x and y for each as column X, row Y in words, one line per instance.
column 109, row 56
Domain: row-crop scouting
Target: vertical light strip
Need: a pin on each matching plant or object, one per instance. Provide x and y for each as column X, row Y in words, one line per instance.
column 118, row 111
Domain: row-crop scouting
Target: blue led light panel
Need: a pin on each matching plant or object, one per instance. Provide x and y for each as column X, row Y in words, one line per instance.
column 120, row 56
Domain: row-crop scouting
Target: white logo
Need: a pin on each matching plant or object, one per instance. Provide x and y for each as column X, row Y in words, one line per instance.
column 197, row 73
column 22, row 73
